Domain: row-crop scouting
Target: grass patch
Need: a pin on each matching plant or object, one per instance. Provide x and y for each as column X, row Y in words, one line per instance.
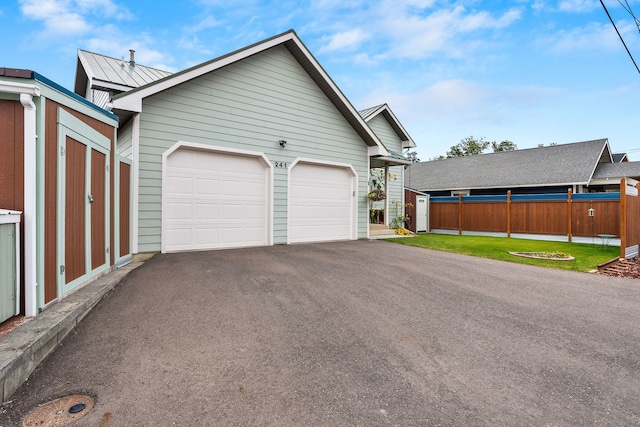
column 587, row 256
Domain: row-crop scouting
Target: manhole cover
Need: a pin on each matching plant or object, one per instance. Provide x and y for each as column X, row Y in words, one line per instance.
column 59, row 412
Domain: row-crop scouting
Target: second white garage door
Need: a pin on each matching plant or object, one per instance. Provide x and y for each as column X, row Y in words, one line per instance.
column 321, row 203
column 215, row 200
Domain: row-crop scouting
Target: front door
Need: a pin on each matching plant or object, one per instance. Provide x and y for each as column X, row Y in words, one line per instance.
column 422, row 214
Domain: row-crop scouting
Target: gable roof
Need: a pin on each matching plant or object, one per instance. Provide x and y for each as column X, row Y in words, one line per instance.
column 111, row 74
column 395, row 124
column 619, row 157
column 565, row 164
column 617, row 170
column 131, row 101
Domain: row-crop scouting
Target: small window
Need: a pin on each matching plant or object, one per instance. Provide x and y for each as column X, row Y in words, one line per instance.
column 463, row 192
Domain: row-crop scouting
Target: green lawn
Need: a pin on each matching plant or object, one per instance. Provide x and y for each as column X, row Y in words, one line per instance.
column 587, row 256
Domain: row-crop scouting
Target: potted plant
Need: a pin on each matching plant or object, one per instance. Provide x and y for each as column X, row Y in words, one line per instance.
column 376, row 184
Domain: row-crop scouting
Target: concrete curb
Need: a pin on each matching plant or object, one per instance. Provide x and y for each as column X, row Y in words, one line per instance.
column 22, row 350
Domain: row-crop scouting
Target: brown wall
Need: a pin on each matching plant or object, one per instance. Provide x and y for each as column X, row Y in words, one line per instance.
column 410, row 209
column 12, row 164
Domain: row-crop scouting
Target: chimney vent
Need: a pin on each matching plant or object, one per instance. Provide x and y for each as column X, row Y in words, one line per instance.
column 132, row 57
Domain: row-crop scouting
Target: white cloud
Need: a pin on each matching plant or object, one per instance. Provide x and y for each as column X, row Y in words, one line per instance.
column 347, row 40
column 595, row 36
column 69, row 17
column 578, row 6
column 415, row 36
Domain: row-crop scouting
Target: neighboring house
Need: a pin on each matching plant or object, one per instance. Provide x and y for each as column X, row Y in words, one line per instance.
column 253, row 148
column 395, row 138
column 581, row 167
column 59, row 169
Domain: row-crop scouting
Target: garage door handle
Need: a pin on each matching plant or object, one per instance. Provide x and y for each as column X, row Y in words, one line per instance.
column 90, row 198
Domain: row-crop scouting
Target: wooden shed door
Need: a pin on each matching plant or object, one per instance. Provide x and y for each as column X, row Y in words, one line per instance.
column 75, row 210
column 83, row 200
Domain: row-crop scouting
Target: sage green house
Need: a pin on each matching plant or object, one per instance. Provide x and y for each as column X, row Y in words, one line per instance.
column 257, row 147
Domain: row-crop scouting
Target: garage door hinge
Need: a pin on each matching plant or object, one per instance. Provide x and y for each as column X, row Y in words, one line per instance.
column 61, row 269
column 63, row 151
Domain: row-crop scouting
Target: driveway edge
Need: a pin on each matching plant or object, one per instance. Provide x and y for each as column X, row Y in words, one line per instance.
column 22, row 350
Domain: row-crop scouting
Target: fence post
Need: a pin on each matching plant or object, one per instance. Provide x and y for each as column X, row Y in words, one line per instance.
column 508, row 213
column 569, row 199
column 623, row 217
column 459, row 214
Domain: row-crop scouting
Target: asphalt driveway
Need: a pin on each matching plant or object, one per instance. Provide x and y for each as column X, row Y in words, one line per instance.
column 354, row 333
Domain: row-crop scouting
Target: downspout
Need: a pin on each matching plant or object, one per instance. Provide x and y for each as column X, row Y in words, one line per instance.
column 30, row 201
column 29, row 211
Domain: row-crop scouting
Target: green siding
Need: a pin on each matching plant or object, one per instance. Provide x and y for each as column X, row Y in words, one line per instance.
column 125, row 141
column 385, row 132
column 247, row 105
column 7, row 271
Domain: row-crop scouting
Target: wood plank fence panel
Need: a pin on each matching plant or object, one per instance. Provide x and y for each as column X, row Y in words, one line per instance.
column 539, row 217
column 606, row 219
column 549, row 214
column 444, row 215
column 485, row 216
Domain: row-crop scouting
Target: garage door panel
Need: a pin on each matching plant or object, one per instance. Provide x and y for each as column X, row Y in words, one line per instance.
column 220, row 200
column 180, row 211
column 205, row 211
column 321, row 203
column 207, row 187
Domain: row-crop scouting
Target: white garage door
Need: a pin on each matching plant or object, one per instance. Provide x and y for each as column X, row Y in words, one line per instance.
column 214, row 200
column 321, row 203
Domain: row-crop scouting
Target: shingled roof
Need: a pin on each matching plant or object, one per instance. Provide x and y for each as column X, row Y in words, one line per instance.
column 562, row 164
column 618, row 170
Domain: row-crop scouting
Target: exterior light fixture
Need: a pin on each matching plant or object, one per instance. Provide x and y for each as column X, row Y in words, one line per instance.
column 282, row 143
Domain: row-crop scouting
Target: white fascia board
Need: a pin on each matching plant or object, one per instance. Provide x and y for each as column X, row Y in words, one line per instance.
column 604, row 146
column 407, row 142
column 377, row 150
column 19, row 88
column 133, row 101
column 606, row 181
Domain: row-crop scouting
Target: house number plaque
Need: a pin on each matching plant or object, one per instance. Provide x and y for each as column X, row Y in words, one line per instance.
column 280, row 164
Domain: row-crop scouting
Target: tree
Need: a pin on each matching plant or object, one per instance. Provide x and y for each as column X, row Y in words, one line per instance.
column 468, row 146
column 413, row 156
column 503, row 146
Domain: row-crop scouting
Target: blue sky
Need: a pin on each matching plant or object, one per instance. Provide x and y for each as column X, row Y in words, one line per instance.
column 532, row 72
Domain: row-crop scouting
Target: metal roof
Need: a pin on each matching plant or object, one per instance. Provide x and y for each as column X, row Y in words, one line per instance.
column 112, row 73
column 563, row 164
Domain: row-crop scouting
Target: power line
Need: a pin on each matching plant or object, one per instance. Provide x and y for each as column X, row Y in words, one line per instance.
column 621, row 39
column 627, row 7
